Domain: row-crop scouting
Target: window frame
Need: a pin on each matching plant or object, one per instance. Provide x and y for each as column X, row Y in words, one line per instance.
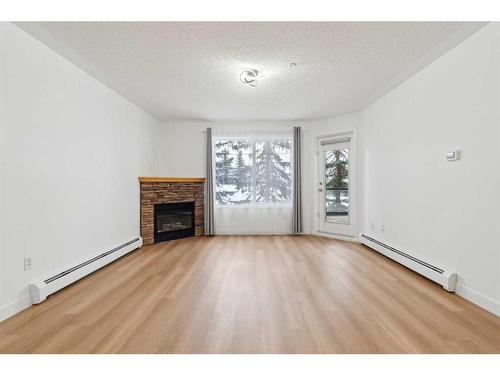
column 254, row 140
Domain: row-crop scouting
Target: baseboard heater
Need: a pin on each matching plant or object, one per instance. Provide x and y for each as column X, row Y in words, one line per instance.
column 40, row 290
column 446, row 278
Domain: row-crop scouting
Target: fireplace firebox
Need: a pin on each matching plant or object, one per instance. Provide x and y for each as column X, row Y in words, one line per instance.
column 173, row 220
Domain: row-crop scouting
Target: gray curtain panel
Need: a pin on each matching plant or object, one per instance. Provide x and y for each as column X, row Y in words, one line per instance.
column 209, row 189
column 297, row 184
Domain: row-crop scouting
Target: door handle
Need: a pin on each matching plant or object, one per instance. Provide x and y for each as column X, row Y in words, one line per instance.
column 320, row 189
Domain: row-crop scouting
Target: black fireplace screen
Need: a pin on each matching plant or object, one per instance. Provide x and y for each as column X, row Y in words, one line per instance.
column 171, row 222
column 174, row 220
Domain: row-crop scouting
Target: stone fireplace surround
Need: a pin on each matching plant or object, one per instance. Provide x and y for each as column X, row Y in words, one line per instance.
column 158, row 190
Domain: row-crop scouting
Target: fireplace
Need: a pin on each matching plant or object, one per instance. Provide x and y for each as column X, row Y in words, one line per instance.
column 173, row 220
column 165, row 190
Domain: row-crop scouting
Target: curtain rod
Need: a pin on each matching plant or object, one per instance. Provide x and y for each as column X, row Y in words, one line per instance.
column 213, row 129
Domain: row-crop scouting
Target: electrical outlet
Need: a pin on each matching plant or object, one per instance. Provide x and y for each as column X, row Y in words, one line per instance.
column 27, row 263
column 382, row 228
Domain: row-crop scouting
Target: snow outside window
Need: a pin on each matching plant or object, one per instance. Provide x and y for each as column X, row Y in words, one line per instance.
column 253, row 182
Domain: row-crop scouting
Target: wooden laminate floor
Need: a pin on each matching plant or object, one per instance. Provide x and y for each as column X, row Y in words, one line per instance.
column 253, row 294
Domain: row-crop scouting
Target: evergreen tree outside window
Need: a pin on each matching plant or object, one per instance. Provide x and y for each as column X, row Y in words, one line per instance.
column 337, row 182
column 253, row 171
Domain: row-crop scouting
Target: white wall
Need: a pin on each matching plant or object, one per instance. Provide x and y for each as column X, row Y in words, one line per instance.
column 67, row 142
column 314, row 130
column 446, row 212
column 72, row 150
column 180, row 150
column 181, row 146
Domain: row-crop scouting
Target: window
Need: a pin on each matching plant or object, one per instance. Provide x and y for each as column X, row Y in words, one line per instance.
column 337, row 184
column 253, row 171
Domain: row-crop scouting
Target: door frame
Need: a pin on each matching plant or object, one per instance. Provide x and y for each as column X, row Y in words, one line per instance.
column 354, row 191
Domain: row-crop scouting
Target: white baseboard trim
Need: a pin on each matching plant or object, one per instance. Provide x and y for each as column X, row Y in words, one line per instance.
column 335, row 237
column 14, row 307
column 479, row 299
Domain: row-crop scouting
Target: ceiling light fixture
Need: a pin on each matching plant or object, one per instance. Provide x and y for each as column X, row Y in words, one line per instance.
column 250, row 77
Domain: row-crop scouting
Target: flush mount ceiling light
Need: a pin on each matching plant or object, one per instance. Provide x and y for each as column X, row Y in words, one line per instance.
column 250, row 77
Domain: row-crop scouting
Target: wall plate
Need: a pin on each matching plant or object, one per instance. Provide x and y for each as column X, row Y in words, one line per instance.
column 452, row 155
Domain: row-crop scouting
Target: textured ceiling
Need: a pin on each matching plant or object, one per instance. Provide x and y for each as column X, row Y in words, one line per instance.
column 186, row 71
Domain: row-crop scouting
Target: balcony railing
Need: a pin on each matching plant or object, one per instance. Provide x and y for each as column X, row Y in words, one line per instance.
column 337, row 202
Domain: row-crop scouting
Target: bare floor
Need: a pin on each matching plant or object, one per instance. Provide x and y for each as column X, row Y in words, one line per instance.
column 253, row 294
